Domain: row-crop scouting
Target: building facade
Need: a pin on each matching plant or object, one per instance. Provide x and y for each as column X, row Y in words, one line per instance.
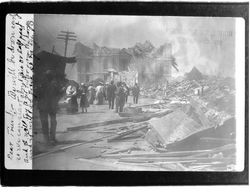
column 95, row 63
column 156, row 65
column 151, row 64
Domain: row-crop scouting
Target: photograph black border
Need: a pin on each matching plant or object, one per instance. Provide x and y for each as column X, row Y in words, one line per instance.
column 128, row 178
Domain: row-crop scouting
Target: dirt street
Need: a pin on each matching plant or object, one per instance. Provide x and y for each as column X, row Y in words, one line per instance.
column 46, row 158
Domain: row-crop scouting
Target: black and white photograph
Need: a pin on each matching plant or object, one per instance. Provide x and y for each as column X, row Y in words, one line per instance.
column 136, row 93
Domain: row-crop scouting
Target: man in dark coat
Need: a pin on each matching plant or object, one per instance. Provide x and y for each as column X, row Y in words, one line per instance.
column 126, row 88
column 120, row 97
column 111, row 94
column 48, row 95
column 136, row 92
column 84, row 103
column 49, row 80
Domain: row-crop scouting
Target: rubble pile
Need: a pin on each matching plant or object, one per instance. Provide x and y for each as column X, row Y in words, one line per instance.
column 217, row 102
column 220, row 94
column 211, row 88
column 216, row 92
column 190, row 128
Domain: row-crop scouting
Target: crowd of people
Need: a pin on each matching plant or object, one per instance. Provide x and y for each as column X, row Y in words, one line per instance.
column 116, row 94
column 50, row 90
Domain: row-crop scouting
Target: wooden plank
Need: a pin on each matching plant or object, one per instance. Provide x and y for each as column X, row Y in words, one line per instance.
column 120, row 166
column 150, row 105
column 133, row 127
column 146, row 161
column 116, row 121
column 171, row 159
column 161, row 114
column 68, row 147
column 217, row 150
column 177, row 153
column 120, row 136
column 166, row 154
column 218, row 139
column 106, row 132
column 198, row 167
column 145, row 115
column 125, row 150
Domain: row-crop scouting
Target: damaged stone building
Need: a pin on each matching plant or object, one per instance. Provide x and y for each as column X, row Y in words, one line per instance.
column 94, row 63
column 152, row 64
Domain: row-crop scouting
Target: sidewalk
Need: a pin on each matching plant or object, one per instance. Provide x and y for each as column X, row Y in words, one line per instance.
column 95, row 114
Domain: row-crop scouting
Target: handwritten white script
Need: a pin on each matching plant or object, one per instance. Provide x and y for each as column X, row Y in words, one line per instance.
column 18, row 91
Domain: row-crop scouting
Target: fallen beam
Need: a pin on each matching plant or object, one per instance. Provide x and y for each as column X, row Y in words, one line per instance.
column 171, row 159
column 151, row 105
column 126, row 150
column 68, row 147
column 121, row 166
column 218, row 139
column 217, row 150
column 116, row 121
column 176, row 153
column 155, row 162
column 168, row 154
column 160, row 114
column 134, row 119
column 126, row 133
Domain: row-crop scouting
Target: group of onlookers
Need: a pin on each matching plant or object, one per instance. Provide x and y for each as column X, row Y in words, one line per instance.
column 50, row 89
column 116, row 95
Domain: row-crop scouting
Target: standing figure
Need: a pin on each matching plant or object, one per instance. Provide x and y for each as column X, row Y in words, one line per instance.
column 48, row 95
column 126, row 88
column 84, row 103
column 120, row 98
column 91, row 94
column 105, row 87
column 99, row 94
column 111, row 94
column 71, row 94
column 136, row 92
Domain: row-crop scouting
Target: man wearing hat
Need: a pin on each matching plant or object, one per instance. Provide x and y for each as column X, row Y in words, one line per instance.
column 111, row 94
column 84, row 104
column 120, row 97
column 48, row 94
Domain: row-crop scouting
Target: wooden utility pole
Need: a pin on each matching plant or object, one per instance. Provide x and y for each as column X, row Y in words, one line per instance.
column 66, row 36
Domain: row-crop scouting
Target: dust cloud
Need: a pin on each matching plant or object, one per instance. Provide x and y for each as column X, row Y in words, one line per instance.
column 205, row 42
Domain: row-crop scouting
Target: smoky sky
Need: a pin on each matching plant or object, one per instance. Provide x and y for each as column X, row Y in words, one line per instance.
column 205, row 42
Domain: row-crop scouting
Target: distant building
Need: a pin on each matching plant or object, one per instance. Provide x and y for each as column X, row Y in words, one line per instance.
column 151, row 63
column 93, row 63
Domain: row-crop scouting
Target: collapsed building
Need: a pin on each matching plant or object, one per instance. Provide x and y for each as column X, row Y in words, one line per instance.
column 150, row 63
column 153, row 64
column 94, row 63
